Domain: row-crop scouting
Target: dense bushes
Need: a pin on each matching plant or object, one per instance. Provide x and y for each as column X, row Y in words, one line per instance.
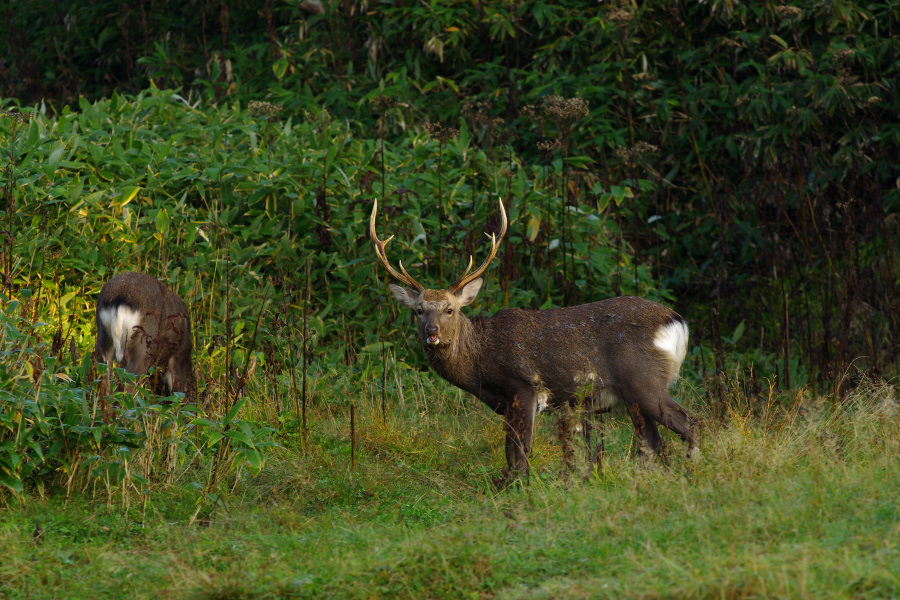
column 742, row 156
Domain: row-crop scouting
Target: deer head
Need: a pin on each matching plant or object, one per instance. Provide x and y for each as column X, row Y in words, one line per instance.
column 438, row 317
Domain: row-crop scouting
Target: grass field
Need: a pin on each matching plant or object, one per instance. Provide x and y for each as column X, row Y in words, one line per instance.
column 793, row 498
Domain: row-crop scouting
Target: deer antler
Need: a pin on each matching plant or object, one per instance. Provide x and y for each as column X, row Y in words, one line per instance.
column 379, row 250
column 466, row 277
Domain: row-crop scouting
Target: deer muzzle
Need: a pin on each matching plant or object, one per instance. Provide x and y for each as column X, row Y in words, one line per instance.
column 432, row 335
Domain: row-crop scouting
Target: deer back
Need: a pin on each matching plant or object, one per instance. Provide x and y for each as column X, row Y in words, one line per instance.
column 608, row 347
column 142, row 323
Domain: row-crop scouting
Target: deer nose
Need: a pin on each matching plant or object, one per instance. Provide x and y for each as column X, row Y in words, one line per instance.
column 431, row 329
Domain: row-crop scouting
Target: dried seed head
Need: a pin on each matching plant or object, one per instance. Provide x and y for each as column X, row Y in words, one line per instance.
column 548, row 146
column 384, row 103
column 789, row 12
column 530, row 111
column 843, row 54
column 440, row 132
column 620, row 14
column 17, row 118
column 322, row 119
column 477, row 111
column 630, row 156
column 564, row 111
column 260, row 108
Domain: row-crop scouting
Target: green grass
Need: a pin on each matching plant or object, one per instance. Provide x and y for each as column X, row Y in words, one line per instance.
column 797, row 501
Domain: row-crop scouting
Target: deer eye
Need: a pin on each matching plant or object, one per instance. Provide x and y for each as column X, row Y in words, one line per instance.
column 419, row 310
column 449, row 311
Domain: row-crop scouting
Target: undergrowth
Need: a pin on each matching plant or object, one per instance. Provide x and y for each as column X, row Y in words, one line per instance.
column 799, row 500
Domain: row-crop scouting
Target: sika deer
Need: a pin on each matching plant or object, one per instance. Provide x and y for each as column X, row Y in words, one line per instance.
column 142, row 323
column 519, row 362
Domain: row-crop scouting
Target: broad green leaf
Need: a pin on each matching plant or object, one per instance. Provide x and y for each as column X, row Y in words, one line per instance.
column 126, row 195
column 234, row 410
column 65, row 299
column 162, row 221
column 376, row 347
column 534, row 227
column 56, row 155
column 279, row 67
column 239, row 436
column 619, row 193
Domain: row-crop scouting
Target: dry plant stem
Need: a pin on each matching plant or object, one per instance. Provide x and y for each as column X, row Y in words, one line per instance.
column 242, row 382
column 305, row 350
column 297, row 405
column 10, row 199
column 228, row 339
column 381, row 304
column 352, row 436
column 565, row 221
column 586, row 406
column 440, row 214
column 222, row 452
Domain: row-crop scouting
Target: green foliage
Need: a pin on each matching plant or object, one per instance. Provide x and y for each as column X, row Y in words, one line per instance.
column 736, row 161
column 152, row 183
column 55, row 431
column 735, row 147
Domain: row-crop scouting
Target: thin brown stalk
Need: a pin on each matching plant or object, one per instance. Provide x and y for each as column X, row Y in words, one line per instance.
column 352, row 437
column 306, row 350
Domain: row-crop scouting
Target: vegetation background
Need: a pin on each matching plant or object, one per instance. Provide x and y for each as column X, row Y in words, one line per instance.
column 735, row 161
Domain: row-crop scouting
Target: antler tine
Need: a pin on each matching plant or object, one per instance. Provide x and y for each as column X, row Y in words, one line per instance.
column 379, row 251
column 466, row 272
column 495, row 245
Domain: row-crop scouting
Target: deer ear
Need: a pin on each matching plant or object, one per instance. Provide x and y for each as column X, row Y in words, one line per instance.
column 404, row 296
column 469, row 291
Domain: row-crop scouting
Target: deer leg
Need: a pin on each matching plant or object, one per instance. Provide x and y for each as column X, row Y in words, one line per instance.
column 519, row 426
column 103, row 351
column 675, row 418
column 140, row 352
column 181, row 374
column 646, row 429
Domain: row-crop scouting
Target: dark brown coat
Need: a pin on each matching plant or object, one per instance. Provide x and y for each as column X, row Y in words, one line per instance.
column 141, row 323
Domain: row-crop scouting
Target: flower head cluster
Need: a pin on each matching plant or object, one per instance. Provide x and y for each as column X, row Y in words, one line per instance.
column 477, row 111
column 843, row 54
column 384, row 103
column 630, row 156
column 548, row 146
column 620, row 12
column 564, row 111
column 789, row 12
column 261, row 108
column 440, row 132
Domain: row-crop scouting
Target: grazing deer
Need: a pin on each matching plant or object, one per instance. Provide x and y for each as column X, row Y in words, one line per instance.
column 519, row 362
column 142, row 324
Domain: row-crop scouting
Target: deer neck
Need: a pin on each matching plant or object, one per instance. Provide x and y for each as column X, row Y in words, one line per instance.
column 457, row 360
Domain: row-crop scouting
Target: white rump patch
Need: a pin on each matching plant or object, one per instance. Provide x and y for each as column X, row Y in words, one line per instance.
column 119, row 322
column 672, row 339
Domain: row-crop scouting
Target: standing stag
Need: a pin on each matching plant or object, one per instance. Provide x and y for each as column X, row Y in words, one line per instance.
column 621, row 350
column 142, row 324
